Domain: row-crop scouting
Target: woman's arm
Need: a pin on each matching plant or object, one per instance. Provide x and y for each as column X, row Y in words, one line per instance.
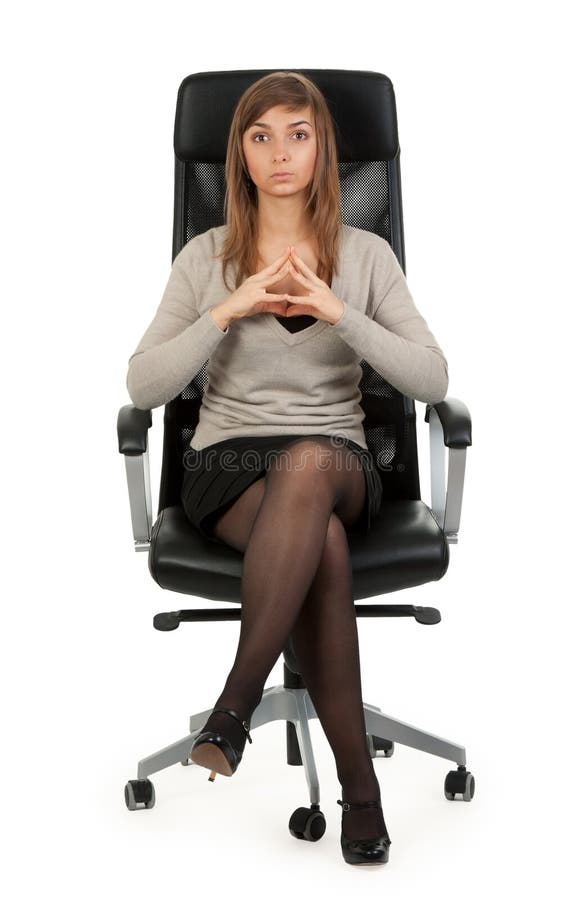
column 396, row 341
column 177, row 342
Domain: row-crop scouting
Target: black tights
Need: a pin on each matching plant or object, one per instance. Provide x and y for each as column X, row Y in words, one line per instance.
column 296, row 580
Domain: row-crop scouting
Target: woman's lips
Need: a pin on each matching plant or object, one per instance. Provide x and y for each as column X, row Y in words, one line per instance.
column 282, row 175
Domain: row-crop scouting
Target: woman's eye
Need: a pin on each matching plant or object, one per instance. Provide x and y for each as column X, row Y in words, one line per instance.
column 304, row 133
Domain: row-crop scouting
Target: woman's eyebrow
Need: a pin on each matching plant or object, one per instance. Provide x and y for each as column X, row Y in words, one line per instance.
column 290, row 125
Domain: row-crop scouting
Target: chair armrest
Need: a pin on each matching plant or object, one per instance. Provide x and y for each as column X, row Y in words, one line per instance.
column 450, row 425
column 133, row 442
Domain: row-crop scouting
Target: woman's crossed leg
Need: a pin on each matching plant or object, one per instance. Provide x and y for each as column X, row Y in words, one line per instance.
column 297, row 579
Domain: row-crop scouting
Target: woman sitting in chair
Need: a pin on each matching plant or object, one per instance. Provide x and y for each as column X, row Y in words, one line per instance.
column 280, row 468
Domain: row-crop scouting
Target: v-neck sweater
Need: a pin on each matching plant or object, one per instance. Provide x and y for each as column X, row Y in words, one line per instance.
column 266, row 380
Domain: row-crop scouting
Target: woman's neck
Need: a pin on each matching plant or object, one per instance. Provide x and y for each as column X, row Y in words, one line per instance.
column 286, row 223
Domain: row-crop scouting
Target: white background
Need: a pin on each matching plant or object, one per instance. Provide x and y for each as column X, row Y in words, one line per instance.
column 490, row 100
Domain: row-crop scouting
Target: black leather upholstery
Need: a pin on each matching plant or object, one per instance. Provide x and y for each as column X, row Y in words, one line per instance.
column 362, row 104
column 404, row 549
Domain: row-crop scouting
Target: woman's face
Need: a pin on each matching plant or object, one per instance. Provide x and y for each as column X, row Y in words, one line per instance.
column 281, row 141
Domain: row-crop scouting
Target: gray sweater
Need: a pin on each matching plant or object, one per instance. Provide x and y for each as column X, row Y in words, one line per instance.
column 266, row 380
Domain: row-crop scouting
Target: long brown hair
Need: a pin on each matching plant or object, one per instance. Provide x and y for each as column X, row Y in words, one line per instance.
column 294, row 91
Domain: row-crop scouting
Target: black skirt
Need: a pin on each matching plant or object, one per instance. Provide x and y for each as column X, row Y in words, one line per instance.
column 214, row 477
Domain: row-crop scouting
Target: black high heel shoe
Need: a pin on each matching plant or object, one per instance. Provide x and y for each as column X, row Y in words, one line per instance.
column 368, row 850
column 216, row 753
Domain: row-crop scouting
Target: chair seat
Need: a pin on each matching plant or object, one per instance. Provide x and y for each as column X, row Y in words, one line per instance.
column 405, row 547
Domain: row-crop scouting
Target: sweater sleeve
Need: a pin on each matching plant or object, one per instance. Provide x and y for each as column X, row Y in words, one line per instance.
column 177, row 342
column 396, row 341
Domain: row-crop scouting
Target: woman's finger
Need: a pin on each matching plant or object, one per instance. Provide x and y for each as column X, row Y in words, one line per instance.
column 275, row 303
column 301, row 278
column 278, row 262
column 278, row 275
column 302, row 265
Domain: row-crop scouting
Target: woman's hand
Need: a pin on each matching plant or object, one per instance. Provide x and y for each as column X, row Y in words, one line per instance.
column 252, row 296
column 319, row 302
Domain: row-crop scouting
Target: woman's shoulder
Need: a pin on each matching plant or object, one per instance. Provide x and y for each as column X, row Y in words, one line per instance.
column 199, row 256
column 360, row 237
column 366, row 250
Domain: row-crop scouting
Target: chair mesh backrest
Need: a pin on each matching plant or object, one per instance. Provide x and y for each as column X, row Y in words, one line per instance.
column 371, row 199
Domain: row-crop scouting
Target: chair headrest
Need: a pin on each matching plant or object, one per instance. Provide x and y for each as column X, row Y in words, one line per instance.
column 362, row 105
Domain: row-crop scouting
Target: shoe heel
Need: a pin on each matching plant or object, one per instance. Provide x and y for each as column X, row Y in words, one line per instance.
column 209, row 755
column 216, row 753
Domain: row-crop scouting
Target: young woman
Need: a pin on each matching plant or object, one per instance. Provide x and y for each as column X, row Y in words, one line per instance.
column 281, row 469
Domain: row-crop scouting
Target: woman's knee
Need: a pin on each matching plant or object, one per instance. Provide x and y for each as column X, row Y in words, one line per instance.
column 308, row 466
column 316, row 471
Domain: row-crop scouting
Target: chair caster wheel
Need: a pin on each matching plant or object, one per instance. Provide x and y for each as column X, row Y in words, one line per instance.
column 307, row 824
column 139, row 791
column 377, row 743
column 459, row 782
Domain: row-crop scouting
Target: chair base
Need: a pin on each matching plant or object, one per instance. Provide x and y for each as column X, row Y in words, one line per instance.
column 294, row 706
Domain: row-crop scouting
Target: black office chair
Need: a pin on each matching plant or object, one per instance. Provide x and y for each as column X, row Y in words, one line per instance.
column 408, row 544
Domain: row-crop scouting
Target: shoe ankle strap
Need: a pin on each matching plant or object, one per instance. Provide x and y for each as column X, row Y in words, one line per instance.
column 346, row 806
column 235, row 715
